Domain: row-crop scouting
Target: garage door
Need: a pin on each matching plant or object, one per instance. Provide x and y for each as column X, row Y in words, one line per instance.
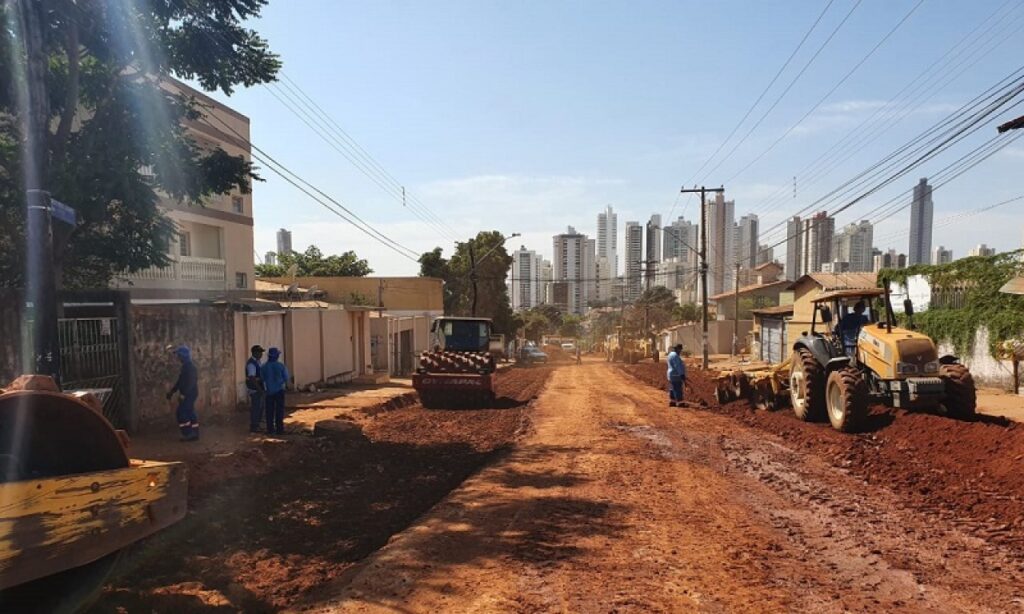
column 771, row 340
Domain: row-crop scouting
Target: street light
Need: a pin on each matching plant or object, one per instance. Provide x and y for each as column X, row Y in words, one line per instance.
column 473, row 262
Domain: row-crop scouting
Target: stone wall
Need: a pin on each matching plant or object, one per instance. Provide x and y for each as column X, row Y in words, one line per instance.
column 209, row 331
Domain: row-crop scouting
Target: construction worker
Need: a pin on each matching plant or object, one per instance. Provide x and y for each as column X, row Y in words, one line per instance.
column 676, row 376
column 187, row 387
column 275, row 378
column 254, row 385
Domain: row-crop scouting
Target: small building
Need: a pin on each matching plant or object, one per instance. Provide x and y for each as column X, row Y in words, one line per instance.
column 397, row 341
column 770, row 339
column 808, row 287
column 399, row 296
column 763, row 295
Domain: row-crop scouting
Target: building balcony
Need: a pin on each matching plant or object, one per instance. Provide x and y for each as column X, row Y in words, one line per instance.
column 184, row 272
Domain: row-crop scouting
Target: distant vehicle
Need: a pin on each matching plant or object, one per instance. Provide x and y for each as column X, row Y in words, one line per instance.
column 532, row 355
column 569, row 347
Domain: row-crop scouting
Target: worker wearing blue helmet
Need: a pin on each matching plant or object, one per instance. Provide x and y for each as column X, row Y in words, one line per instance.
column 187, row 386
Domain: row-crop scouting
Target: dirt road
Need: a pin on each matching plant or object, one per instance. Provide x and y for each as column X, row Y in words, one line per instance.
column 617, row 503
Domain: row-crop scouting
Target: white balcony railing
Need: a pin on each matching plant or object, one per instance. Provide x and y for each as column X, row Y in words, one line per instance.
column 186, row 268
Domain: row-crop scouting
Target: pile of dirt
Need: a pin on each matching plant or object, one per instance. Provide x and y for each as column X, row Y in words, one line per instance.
column 969, row 472
column 271, row 525
column 557, row 354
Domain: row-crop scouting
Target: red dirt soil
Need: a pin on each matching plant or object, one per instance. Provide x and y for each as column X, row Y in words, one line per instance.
column 270, row 525
column 969, row 472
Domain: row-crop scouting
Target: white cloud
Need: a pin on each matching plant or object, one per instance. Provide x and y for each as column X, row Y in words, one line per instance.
column 845, row 113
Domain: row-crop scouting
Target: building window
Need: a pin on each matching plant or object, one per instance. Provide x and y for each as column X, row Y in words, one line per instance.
column 240, row 281
column 238, row 204
column 184, row 244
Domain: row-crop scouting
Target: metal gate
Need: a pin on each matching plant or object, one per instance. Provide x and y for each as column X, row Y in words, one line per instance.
column 90, row 357
column 771, row 340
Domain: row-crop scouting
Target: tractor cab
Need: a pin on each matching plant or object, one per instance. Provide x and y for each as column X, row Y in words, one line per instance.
column 457, row 334
column 841, row 315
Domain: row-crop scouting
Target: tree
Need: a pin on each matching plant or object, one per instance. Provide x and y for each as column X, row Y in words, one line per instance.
column 571, row 327
column 655, row 306
column 492, row 262
column 100, row 116
column 312, row 263
column 687, row 312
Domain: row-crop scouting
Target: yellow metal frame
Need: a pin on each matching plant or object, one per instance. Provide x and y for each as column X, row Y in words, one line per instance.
column 54, row 524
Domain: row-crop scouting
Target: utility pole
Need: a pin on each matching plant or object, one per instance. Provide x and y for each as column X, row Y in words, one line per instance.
column 704, row 259
column 472, row 275
column 736, row 314
column 40, row 283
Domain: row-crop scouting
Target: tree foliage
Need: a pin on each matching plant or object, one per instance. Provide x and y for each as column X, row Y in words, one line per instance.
column 102, row 117
column 492, row 262
column 979, row 279
column 313, row 263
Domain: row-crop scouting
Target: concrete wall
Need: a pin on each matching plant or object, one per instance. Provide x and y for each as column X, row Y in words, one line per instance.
column 302, row 346
column 209, row 331
column 987, row 371
column 407, row 295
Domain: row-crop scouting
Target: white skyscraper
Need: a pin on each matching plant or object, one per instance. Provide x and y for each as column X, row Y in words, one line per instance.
column 680, row 242
column 746, row 248
column 524, row 279
column 854, row 247
column 607, row 238
column 574, row 265
column 721, row 234
column 817, row 242
column 921, row 224
column 654, row 239
column 982, row 250
column 634, row 254
column 794, row 251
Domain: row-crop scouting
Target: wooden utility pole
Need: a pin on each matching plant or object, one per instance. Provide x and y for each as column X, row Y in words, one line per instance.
column 472, row 275
column 704, row 260
column 736, row 314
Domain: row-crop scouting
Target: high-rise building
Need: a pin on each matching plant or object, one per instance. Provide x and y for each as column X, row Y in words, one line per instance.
column 746, row 245
column 654, row 240
column 547, row 277
column 794, row 248
column 634, row 244
column 854, row 247
column 941, row 255
column 817, row 242
column 680, row 241
column 720, row 249
column 607, row 238
column 574, row 256
column 270, row 258
column 921, row 224
column 524, row 279
column 604, row 279
column 982, row 250
column 765, row 254
column 284, row 241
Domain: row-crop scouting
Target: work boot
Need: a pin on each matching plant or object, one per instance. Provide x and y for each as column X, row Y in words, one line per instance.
column 672, row 404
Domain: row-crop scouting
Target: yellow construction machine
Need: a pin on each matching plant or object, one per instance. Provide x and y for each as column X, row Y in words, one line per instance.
column 71, row 498
column 854, row 354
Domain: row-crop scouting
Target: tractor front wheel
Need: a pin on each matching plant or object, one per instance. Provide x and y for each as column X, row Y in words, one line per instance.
column 806, row 386
column 847, row 397
column 961, row 396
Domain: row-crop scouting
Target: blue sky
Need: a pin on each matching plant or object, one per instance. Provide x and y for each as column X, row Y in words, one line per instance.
column 527, row 116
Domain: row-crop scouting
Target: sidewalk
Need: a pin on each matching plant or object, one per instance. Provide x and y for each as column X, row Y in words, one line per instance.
column 221, row 437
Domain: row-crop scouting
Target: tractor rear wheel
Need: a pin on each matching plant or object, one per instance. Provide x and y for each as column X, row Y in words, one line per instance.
column 806, row 386
column 961, row 396
column 846, row 395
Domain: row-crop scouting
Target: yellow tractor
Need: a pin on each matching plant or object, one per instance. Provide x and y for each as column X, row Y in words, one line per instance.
column 854, row 355
column 71, row 497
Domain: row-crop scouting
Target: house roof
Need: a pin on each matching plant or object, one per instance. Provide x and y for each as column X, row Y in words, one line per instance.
column 839, row 281
column 774, row 285
column 272, row 287
column 1014, row 286
column 848, row 293
column 780, row 310
column 765, row 265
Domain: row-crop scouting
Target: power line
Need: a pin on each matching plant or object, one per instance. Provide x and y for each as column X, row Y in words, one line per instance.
column 355, row 220
column 830, row 92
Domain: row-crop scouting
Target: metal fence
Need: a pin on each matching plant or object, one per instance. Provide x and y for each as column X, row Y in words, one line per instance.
column 90, row 354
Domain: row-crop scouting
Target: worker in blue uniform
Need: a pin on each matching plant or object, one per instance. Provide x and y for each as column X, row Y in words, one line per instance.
column 275, row 379
column 187, row 388
column 254, row 386
column 676, row 376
